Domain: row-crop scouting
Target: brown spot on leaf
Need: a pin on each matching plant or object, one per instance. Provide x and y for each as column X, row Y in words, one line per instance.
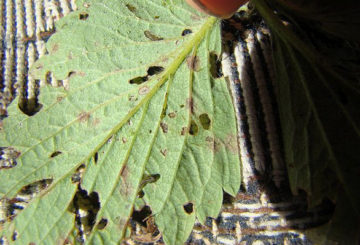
column 124, row 140
column 81, row 73
column 193, row 63
column 132, row 98
column 126, row 187
column 164, row 127
column 59, row 98
column 190, row 104
column 144, row 90
column 96, row 122
column 195, row 17
column 124, row 172
column 184, row 130
column 163, row 152
column 152, row 36
column 54, row 48
column 131, row 8
column 83, row 117
column 231, row 144
column 122, row 223
column 172, row 114
column 212, row 144
column 70, row 56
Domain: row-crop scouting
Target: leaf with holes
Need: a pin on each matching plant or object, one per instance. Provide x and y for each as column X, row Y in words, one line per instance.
column 140, row 118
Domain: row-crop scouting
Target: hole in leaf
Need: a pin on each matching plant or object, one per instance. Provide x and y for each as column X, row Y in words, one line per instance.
column 152, row 36
column 83, row 16
column 141, row 194
column 30, row 107
column 147, row 179
column 186, row 32
column 138, row 80
column 194, row 129
column 86, row 208
column 163, row 112
column 131, row 8
column 35, row 187
column 96, row 156
column 205, row 121
column 8, row 157
column 23, row 198
column 70, row 74
column 76, row 177
column 189, row 208
column 102, row 224
column 215, row 65
column 87, row 202
column 154, row 70
column 140, row 216
column 55, row 153
column 14, row 236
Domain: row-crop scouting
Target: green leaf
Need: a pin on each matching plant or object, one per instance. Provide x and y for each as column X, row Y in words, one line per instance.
column 318, row 95
column 141, row 110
